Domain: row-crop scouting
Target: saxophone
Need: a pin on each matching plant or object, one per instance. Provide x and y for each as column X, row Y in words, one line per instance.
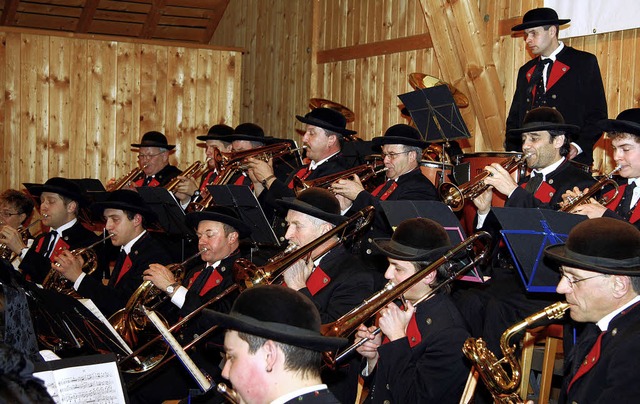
column 503, row 387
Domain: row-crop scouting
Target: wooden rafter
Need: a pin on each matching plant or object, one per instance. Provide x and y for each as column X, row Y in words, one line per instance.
column 386, row 47
column 152, row 19
column 86, row 18
column 9, row 12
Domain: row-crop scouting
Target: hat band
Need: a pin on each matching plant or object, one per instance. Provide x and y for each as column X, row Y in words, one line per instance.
column 406, row 249
column 536, row 124
column 283, row 328
column 604, row 262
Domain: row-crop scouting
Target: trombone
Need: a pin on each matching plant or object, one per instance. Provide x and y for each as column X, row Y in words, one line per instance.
column 583, row 198
column 365, row 172
column 125, row 179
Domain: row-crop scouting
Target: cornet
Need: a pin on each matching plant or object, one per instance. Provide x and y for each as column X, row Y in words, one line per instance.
column 594, row 189
column 5, row 251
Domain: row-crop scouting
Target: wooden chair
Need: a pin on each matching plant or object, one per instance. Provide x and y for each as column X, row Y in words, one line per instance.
column 552, row 337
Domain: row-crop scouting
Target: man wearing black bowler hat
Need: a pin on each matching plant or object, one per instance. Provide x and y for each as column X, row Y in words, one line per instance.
column 153, row 158
column 560, row 77
column 600, row 267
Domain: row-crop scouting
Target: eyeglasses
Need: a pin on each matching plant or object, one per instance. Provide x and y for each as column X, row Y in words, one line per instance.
column 148, row 156
column 8, row 213
column 393, row 155
column 572, row 282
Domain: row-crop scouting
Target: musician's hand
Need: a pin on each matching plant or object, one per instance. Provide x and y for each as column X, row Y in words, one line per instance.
column 571, row 194
column 185, row 189
column 12, row 238
column 110, row 183
column 69, row 265
column 500, row 179
column 592, row 209
column 296, row 276
column 349, row 188
column 369, row 349
column 159, row 275
column 393, row 320
column 344, row 202
column 258, row 169
column 483, row 201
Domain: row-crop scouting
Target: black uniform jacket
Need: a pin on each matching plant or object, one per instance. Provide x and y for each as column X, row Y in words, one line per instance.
column 574, row 88
column 113, row 296
column 610, row 375
column 613, row 205
column 320, row 396
column 162, row 177
column 427, row 366
column 35, row 266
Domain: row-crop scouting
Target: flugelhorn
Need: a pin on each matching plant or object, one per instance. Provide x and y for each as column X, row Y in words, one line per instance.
column 503, row 384
column 455, row 196
column 365, row 172
column 54, row 279
column 348, row 323
column 125, row 179
column 195, row 170
column 224, row 161
column 5, row 251
column 594, row 189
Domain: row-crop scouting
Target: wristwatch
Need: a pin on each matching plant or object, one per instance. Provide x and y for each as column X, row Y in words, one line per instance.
column 172, row 288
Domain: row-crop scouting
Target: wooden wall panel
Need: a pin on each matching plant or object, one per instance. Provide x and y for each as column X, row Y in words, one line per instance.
column 72, row 105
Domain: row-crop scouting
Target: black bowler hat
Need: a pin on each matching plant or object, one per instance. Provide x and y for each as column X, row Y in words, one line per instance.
column 217, row 132
column 220, row 214
column 543, row 118
column 249, row 131
column 128, row 200
column 60, row 186
column 154, row 139
column 280, row 314
column 603, row 244
column 418, row 239
column 539, row 17
column 627, row 121
column 400, row 134
column 327, row 118
column 317, row 202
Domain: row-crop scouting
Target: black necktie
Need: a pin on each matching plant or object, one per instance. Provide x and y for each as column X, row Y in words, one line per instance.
column 51, row 242
column 624, row 207
column 200, row 281
column 537, row 81
column 534, row 182
column 147, row 180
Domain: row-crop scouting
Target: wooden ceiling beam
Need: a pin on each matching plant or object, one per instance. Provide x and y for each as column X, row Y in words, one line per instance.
column 152, row 19
column 386, row 47
column 9, row 12
column 214, row 19
column 86, row 18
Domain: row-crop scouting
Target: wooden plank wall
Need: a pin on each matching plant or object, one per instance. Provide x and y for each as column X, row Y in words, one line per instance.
column 72, row 105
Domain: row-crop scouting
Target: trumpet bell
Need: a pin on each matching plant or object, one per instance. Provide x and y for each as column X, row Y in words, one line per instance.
column 421, row 80
column 451, row 195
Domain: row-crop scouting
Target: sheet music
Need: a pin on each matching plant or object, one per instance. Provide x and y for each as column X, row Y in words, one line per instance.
column 89, row 304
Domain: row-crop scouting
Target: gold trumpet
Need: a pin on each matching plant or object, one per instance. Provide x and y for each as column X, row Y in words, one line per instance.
column 455, row 196
column 54, row 279
column 5, row 251
column 348, row 323
column 126, row 179
column 195, row 170
column 235, row 160
column 494, row 375
column 365, row 172
column 583, row 198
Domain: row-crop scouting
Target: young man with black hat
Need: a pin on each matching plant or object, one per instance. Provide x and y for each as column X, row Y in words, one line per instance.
column 153, row 158
column 274, row 347
column 560, row 77
column 624, row 132
column 600, row 268
column 127, row 218
column 60, row 204
column 420, row 358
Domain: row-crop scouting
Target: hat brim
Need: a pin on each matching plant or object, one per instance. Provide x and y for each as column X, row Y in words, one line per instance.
column 154, row 144
column 37, row 190
column 249, row 138
column 325, row 125
column 149, row 215
column 222, row 138
column 193, row 218
column 564, row 256
column 538, row 126
column 299, row 206
column 395, row 250
column 378, row 142
column 539, row 23
column 617, row 125
column 279, row 332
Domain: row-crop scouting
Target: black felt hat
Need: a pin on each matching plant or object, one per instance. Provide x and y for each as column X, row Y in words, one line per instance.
column 603, row 244
column 316, row 202
column 543, row 118
column 125, row 199
column 539, row 17
column 627, row 121
column 249, row 131
column 61, row 186
column 400, row 134
column 418, row 239
column 327, row 118
column 280, row 314
column 218, row 132
column 154, row 139
column 222, row 214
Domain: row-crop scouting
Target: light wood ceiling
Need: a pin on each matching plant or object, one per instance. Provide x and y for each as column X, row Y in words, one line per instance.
column 175, row 20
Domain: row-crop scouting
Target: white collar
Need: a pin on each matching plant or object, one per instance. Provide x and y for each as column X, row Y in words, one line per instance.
column 299, row 392
column 65, row 226
column 127, row 247
column 554, row 53
column 548, row 169
column 313, row 165
column 603, row 323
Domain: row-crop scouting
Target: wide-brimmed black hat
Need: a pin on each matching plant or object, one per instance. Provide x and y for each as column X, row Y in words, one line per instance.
column 400, row 134
column 627, row 121
column 602, row 244
column 543, row 118
column 249, row 131
column 327, row 118
column 222, row 214
column 218, row 132
column 418, row 239
column 128, row 200
column 61, row 186
column 539, row 17
column 316, row 202
column 280, row 314
column 154, row 139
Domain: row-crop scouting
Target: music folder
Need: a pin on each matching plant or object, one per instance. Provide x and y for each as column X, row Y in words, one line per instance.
column 169, row 212
column 399, row 211
column 526, row 233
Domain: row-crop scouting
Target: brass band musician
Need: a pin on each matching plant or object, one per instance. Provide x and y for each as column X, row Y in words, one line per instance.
column 153, row 159
column 16, row 210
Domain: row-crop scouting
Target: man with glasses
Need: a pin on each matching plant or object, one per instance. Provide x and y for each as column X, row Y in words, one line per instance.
column 15, row 210
column 153, row 159
column 600, row 266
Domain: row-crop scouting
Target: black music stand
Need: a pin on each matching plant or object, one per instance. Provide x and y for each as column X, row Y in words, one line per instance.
column 527, row 232
column 399, row 211
column 244, row 202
